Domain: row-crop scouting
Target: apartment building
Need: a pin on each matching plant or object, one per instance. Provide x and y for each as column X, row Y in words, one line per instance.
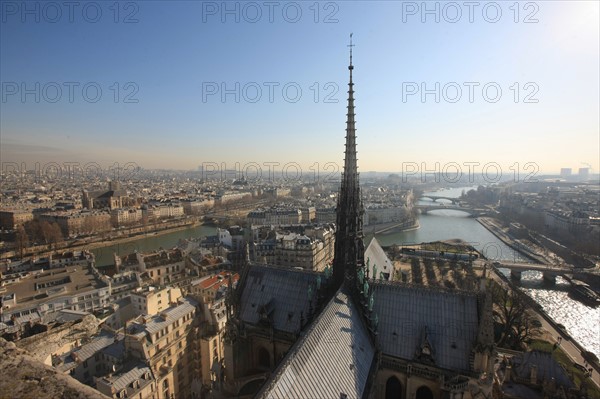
column 11, row 219
column 307, row 247
column 151, row 300
column 168, row 343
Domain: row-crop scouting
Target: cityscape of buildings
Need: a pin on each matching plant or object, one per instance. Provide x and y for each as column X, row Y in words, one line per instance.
column 217, row 283
column 287, row 304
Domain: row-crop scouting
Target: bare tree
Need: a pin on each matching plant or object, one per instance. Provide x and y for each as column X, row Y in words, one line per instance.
column 46, row 231
column 512, row 312
column 21, row 240
column 34, row 230
column 56, row 234
column 50, row 233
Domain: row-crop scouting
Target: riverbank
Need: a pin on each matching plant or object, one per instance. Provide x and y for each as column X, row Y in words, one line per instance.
column 589, row 275
column 555, row 330
column 99, row 243
column 497, row 231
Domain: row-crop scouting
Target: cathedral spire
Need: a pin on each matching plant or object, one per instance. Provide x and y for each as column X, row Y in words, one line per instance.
column 349, row 247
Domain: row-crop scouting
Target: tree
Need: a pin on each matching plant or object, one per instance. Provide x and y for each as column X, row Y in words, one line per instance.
column 21, row 240
column 34, row 231
column 46, row 231
column 51, row 232
column 512, row 312
column 55, row 234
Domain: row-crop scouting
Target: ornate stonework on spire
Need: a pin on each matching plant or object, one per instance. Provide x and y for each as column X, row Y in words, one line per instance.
column 349, row 247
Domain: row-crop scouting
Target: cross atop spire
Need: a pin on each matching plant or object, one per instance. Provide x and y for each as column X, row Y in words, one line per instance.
column 350, row 45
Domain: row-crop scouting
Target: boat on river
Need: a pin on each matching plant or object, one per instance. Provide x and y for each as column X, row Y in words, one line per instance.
column 583, row 292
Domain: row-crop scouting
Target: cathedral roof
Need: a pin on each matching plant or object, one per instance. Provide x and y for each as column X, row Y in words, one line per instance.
column 377, row 259
column 284, row 292
column 107, row 194
column 334, row 357
column 450, row 320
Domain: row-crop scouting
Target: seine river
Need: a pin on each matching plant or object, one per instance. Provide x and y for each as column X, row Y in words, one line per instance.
column 105, row 255
column 582, row 322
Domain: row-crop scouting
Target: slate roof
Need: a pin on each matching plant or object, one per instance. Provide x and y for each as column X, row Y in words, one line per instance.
column 98, row 343
column 123, row 380
column 451, row 319
column 107, row 194
column 285, row 291
column 334, row 357
column 173, row 313
column 116, row 349
column 158, row 322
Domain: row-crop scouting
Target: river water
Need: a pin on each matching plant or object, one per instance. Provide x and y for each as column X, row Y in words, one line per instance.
column 104, row 255
column 581, row 321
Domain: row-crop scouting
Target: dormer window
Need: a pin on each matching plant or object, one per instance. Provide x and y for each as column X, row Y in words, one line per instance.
column 425, row 351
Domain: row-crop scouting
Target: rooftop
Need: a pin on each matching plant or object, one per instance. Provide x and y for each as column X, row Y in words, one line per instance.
column 165, row 318
column 123, row 380
column 284, row 290
column 219, row 279
column 37, row 288
column 332, row 359
column 449, row 318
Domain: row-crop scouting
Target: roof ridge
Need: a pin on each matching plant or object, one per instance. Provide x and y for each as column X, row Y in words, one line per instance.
column 419, row 287
column 293, row 351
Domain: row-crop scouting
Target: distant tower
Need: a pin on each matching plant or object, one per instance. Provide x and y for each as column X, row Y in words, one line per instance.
column 349, row 246
column 584, row 174
column 114, row 185
column 565, row 172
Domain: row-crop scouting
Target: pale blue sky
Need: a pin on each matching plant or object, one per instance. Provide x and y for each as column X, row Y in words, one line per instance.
column 176, row 51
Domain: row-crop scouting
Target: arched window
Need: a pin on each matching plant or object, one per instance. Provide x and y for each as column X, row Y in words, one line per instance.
column 424, row 393
column 264, row 358
column 393, row 388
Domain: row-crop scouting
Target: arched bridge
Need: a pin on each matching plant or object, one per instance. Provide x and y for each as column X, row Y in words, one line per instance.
column 550, row 271
column 434, row 198
column 470, row 211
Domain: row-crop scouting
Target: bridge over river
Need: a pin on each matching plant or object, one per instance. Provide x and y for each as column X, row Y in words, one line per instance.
column 434, row 198
column 471, row 211
column 549, row 271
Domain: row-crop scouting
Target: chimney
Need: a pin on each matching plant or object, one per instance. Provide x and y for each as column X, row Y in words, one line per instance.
column 533, row 374
column 507, row 373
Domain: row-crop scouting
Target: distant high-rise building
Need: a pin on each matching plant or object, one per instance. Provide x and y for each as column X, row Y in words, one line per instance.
column 565, row 172
column 584, row 173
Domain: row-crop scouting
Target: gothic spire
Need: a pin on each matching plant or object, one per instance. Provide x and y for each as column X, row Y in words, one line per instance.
column 349, row 247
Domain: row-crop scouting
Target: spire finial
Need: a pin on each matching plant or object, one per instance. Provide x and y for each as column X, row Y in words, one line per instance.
column 350, row 45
